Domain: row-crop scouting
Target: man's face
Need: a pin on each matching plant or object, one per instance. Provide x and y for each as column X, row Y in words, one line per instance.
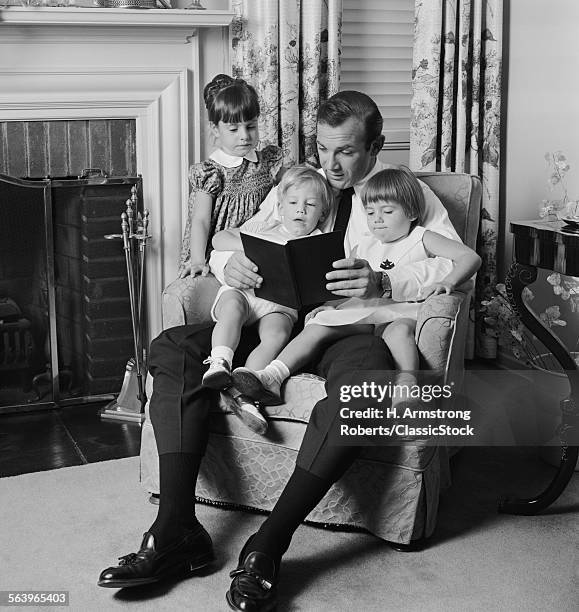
column 343, row 153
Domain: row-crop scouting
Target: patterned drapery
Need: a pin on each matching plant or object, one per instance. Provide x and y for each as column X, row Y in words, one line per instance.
column 289, row 50
column 456, row 109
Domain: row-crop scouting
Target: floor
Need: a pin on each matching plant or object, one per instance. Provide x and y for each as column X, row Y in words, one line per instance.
column 75, row 435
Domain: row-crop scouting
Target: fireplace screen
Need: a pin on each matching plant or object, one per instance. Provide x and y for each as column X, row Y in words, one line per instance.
column 65, row 319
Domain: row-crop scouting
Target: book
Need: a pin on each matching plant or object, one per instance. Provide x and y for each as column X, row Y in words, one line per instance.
column 294, row 271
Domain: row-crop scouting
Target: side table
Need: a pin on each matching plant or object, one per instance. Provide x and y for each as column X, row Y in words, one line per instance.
column 553, row 246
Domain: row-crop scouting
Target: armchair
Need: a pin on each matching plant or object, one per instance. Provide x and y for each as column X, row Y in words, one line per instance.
column 393, row 491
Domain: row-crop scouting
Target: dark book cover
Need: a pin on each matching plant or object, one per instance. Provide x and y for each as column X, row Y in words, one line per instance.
column 294, row 271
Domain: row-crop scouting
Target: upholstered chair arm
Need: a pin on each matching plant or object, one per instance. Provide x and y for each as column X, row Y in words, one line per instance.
column 188, row 300
column 441, row 329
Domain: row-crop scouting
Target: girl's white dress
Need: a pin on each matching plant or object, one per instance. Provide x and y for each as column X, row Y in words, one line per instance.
column 378, row 310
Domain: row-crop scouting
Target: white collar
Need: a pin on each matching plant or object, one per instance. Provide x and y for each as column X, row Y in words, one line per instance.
column 231, row 161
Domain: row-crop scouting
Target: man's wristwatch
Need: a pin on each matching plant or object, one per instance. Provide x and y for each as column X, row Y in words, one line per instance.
column 385, row 285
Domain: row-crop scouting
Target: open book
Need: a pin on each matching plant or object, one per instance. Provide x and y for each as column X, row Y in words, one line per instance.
column 294, row 271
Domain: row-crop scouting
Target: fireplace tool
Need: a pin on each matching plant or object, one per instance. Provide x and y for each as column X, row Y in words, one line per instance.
column 130, row 404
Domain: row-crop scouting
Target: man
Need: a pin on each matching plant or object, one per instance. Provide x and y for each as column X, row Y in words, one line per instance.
column 349, row 138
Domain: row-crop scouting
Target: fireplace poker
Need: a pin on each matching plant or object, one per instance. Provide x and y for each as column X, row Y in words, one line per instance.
column 142, row 250
column 135, row 225
column 131, row 221
column 130, row 215
column 131, row 278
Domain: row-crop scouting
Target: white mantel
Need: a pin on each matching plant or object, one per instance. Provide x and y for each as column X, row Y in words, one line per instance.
column 96, row 17
column 149, row 65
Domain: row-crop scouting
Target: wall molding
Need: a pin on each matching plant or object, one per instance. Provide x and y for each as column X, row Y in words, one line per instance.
column 157, row 99
column 117, row 17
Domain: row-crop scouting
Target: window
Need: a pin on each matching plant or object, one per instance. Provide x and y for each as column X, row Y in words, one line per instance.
column 377, row 37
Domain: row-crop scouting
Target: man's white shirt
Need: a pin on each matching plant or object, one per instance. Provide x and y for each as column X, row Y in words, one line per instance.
column 407, row 280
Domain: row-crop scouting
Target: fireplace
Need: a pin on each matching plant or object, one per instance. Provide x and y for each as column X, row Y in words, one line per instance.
column 148, row 66
column 66, row 331
column 144, row 67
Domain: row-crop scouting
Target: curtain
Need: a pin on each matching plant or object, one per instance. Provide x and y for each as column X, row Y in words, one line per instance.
column 456, row 111
column 289, row 50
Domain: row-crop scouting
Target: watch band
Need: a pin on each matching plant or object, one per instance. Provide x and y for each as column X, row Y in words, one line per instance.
column 386, row 286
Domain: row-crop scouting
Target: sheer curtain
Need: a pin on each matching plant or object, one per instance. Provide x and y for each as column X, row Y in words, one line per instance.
column 456, row 109
column 289, row 50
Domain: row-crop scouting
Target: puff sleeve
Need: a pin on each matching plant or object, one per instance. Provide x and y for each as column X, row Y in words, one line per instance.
column 206, row 177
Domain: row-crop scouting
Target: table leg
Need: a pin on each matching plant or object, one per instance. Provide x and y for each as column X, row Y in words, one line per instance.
column 519, row 276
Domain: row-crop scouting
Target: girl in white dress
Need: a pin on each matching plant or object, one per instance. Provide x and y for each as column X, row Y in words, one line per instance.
column 394, row 202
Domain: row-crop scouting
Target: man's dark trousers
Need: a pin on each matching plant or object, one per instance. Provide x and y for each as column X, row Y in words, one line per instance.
column 180, row 405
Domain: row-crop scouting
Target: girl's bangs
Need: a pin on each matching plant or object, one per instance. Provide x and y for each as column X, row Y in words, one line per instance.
column 235, row 106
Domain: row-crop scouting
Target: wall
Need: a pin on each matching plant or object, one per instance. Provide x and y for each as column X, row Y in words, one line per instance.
column 542, row 114
column 542, row 104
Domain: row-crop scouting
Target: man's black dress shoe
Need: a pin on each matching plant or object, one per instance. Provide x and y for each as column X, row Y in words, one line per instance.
column 253, row 588
column 191, row 553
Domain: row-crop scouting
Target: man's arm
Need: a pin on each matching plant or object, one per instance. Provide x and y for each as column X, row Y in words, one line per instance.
column 233, row 267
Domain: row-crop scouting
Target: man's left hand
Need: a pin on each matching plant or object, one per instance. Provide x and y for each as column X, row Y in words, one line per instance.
column 353, row 277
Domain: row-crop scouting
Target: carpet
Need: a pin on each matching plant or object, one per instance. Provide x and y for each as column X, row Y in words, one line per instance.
column 60, row 528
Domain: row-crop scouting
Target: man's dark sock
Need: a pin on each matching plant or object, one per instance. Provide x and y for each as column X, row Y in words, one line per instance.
column 301, row 495
column 177, row 478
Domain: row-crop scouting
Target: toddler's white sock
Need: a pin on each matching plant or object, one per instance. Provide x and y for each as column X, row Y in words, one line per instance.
column 276, row 371
column 222, row 352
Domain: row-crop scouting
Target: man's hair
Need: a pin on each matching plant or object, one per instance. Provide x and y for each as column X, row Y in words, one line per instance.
column 347, row 104
column 296, row 176
column 399, row 185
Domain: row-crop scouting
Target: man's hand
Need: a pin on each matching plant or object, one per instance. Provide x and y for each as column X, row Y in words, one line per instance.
column 241, row 273
column 436, row 289
column 353, row 277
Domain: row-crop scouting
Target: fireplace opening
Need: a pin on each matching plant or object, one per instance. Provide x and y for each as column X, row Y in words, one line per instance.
column 63, row 289
column 63, row 286
column 23, row 304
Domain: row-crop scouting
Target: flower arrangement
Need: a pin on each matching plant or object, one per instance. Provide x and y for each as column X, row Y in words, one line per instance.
column 500, row 320
column 557, row 167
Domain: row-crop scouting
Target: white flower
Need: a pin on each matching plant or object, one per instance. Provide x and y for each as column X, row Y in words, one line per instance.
column 527, row 295
column 551, row 317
